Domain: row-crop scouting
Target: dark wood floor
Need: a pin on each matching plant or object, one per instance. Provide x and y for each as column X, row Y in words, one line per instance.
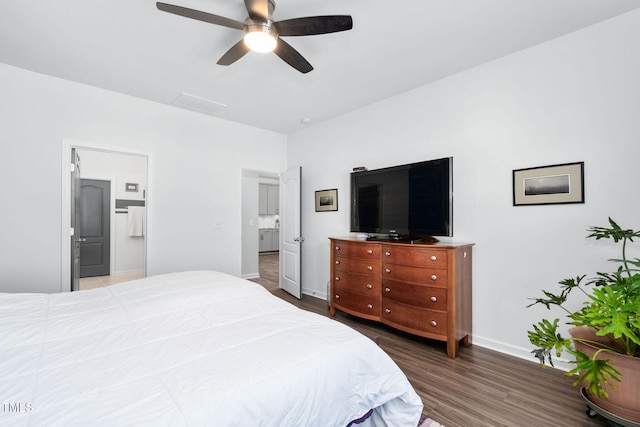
column 479, row 388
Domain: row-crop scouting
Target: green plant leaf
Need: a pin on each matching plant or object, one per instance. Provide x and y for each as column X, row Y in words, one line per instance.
column 546, row 338
column 615, row 232
column 594, row 373
column 611, row 312
column 566, row 286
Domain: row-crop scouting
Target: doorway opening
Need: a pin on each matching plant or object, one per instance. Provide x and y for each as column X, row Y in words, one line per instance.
column 269, row 231
column 106, row 212
column 260, row 227
column 286, row 221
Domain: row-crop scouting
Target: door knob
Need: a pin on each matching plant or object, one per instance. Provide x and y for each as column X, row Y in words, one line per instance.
column 81, row 240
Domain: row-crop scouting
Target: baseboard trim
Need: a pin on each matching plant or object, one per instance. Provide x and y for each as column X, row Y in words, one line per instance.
column 561, row 364
column 315, row 294
column 127, row 272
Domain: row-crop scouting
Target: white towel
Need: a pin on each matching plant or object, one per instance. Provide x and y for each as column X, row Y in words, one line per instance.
column 135, row 218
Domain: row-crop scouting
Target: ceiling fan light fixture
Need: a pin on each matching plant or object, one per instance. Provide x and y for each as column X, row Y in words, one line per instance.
column 260, row 38
column 262, row 33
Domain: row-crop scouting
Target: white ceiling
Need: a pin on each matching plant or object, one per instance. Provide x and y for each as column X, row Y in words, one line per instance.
column 129, row 46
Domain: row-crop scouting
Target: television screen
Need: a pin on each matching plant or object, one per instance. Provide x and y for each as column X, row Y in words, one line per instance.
column 412, row 200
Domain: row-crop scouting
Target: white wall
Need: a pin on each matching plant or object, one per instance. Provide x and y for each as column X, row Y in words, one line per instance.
column 573, row 99
column 195, row 164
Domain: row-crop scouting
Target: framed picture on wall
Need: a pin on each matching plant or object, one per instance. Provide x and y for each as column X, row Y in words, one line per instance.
column 545, row 185
column 327, row 200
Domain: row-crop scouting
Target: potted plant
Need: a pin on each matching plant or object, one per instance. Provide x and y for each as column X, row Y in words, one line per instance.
column 605, row 338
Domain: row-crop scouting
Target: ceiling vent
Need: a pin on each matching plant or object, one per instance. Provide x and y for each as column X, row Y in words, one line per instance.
column 195, row 103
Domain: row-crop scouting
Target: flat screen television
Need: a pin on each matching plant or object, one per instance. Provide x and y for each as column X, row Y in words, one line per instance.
column 406, row 202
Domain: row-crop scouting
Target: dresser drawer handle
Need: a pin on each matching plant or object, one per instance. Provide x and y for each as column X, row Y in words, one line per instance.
column 337, row 248
column 434, row 277
column 433, row 257
column 369, row 268
column 337, row 279
column 369, row 286
column 387, row 253
column 337, row 262
column 434, row 299
column 387, row 290
column 434, row 323
column 387, row 311
column 369, row 306
column 337, row 296
column 369, row 252
column 388, row 270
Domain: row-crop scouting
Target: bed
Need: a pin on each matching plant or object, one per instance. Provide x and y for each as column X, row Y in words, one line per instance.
column 197, row 348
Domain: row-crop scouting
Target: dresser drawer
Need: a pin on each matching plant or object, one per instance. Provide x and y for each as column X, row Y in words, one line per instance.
column 360, row 266
column 418, row 256
column 357, row 250
column 419, row 319
column 429, row 297
column 418, row 275
column 357, row 283
column 367, row 305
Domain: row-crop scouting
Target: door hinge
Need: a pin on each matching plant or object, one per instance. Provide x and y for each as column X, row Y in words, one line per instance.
column 72, row 167
column 72, row 232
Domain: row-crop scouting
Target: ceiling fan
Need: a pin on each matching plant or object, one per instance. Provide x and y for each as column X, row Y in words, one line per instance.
column 263, row 34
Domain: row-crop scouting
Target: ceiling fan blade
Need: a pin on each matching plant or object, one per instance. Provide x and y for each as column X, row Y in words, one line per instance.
column 236, row 52
column 291, row 56
column 313, row 25
column 200, row 16
column 259, row 9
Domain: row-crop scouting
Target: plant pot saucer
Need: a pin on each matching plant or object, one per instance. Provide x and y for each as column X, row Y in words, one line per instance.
column 593, row 409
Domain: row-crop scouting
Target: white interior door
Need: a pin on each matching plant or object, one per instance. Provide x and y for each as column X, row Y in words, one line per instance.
column 290, row 239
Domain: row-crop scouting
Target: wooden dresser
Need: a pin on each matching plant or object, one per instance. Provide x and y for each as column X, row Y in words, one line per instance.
column 423, row 289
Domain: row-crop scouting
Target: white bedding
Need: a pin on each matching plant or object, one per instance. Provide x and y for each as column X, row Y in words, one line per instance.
column 189, row 349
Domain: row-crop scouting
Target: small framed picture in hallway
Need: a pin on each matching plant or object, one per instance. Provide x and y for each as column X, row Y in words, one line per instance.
column 327, row 200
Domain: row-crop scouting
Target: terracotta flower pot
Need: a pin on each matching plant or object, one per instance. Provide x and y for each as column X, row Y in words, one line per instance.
column 625, row 402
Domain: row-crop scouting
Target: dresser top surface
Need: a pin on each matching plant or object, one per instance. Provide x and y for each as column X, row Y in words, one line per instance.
column 443, row 245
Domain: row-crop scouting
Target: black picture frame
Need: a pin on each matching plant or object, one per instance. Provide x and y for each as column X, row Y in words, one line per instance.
column 547, row 185
column 327, row 200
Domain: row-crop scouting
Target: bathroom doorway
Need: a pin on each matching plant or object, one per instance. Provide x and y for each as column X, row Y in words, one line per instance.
column 127, row 175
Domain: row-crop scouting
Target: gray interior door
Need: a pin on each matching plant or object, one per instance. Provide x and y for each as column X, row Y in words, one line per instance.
column 75, row 220
column 95, row 227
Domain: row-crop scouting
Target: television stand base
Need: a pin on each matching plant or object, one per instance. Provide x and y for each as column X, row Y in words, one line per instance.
column 404, row 239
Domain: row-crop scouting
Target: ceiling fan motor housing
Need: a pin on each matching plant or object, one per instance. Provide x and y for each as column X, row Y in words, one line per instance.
column 251, row 25
column 263, row 33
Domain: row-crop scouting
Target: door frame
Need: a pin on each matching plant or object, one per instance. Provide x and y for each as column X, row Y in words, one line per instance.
column 65, row 221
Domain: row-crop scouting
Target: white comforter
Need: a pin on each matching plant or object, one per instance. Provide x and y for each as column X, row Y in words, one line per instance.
column 189, row 349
